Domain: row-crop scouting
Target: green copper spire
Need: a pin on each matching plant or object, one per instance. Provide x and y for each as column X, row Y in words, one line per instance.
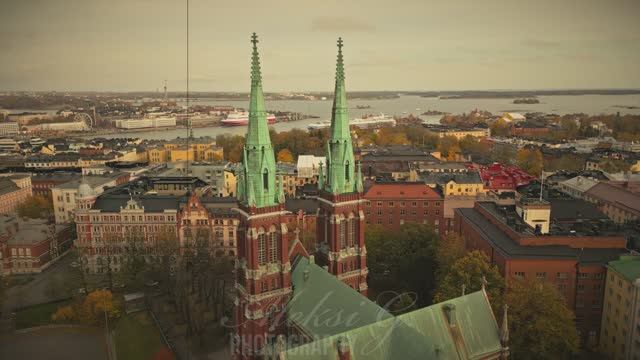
column 340, row 162
column 259, row 165
column 321, row 177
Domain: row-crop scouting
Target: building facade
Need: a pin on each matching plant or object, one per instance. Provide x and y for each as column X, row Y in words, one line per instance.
column 394, row 204
column 620, row 334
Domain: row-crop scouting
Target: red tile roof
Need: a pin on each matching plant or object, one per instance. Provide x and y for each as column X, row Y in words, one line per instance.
column 401, row 190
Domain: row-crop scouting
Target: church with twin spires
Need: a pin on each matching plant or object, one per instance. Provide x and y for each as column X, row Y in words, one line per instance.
column 297, row 303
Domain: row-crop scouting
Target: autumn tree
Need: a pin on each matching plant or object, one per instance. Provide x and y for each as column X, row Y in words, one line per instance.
column 285, row 156
column 503, row 153
column 541, row 325
column 530, row 160
column 35, row 207
column 470, row 145
column 448, row 147
column 500, row 128
column 471, row 271
column 402, row 261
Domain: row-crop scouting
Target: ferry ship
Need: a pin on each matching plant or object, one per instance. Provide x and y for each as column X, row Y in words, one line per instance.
column 366, row 121
column 242, row 119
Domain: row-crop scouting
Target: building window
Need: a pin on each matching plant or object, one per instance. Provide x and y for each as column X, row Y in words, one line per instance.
column 273, row 247
column 519, row 274
column 583, row 276
column 390, row 203
column 265, row 179
column 562, row 275
column 352, row 231
column 346, row 171
column 342, row 232
column 261, row 249
column 541, row 275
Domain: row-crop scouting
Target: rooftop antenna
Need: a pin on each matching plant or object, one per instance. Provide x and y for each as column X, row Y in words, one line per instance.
column 541, row 183
column 189, row 132
column 165, row 90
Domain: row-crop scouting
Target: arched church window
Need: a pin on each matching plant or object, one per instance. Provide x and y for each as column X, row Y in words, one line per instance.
column 261, row 248
column 342, row 233
column 273, row 247
column 346, row 171
column 352, row 231
column 265, row 179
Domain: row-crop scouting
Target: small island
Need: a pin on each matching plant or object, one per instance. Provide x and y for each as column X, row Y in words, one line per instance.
column 434, row 112
column 363, row 107
column 526, row 101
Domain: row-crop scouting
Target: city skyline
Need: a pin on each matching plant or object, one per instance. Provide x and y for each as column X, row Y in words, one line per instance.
column 124, row 46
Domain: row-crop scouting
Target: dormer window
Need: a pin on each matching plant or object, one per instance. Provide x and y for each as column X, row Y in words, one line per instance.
column 265, row 179
column 346, row 171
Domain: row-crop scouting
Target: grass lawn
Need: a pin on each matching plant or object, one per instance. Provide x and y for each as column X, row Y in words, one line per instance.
column 37, row 315
column 136, row 337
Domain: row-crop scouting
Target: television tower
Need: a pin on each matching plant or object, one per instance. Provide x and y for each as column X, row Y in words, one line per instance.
column 165, row 90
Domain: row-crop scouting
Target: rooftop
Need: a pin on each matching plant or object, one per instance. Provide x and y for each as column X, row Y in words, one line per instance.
column 511, row 249
column 627, row 266
column 407, row 190
column 7, row 186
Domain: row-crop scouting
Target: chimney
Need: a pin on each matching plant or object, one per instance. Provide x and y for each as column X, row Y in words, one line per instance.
column 344, row 350
column 306, row 274
column 450, row 312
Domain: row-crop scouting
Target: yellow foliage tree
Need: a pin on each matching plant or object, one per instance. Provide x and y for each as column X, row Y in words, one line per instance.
column 285, row 155
column 95, row 305
column 64, row 314
column 530, row 161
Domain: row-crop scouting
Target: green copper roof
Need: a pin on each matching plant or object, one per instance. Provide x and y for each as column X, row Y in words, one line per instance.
column 627, row 266
column 340, row 161
column 323, row 305
column 258, row 162
column 421, row 334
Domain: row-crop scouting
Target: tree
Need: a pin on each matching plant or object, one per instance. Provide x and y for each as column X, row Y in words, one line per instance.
column 95, row 305
column 450, row 249
column 500, row 128
column 569, row 127
column 35, row 207
column 402, row 261
column 541, row 325
column 285, row 156
column 530, row 161
column 470, row 271
column 503, row 153
column 448, row 147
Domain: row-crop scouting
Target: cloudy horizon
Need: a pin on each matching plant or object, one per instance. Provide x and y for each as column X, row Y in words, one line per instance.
column 74, row 45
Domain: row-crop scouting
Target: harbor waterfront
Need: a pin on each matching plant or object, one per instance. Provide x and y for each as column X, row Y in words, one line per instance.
column 404, row 105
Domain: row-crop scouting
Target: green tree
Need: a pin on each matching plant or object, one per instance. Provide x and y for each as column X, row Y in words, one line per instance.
column 450, row 249
column 470, row 271
column 541, row 325
column 503, row 153
column 530, row 160
column 402, row 261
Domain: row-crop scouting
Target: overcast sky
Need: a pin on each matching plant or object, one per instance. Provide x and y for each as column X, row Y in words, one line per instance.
column 389, row 45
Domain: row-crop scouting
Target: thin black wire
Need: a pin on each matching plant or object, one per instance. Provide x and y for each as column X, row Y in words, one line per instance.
column 188, row 121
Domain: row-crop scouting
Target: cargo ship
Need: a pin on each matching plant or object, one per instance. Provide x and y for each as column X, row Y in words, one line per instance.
column 242, row 119
column 366, row 121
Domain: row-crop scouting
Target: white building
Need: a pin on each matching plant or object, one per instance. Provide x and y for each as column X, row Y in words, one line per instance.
column 146, row 123
column 64, row 195
column 8, row 144
column 577, row 186
column 9, row 128
column 513, row 117
column 58, row 126
column 308, row 165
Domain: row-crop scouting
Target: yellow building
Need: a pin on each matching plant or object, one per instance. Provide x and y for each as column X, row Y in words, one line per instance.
column 455, row 184
column 178, row 150
column 462, row 133
column 620, row 330
column 229, row 182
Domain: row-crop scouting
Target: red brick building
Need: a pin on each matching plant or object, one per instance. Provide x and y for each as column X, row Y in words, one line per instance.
column 30, row 245
column 394, row 204
column 574, row 262
column 12, row 195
